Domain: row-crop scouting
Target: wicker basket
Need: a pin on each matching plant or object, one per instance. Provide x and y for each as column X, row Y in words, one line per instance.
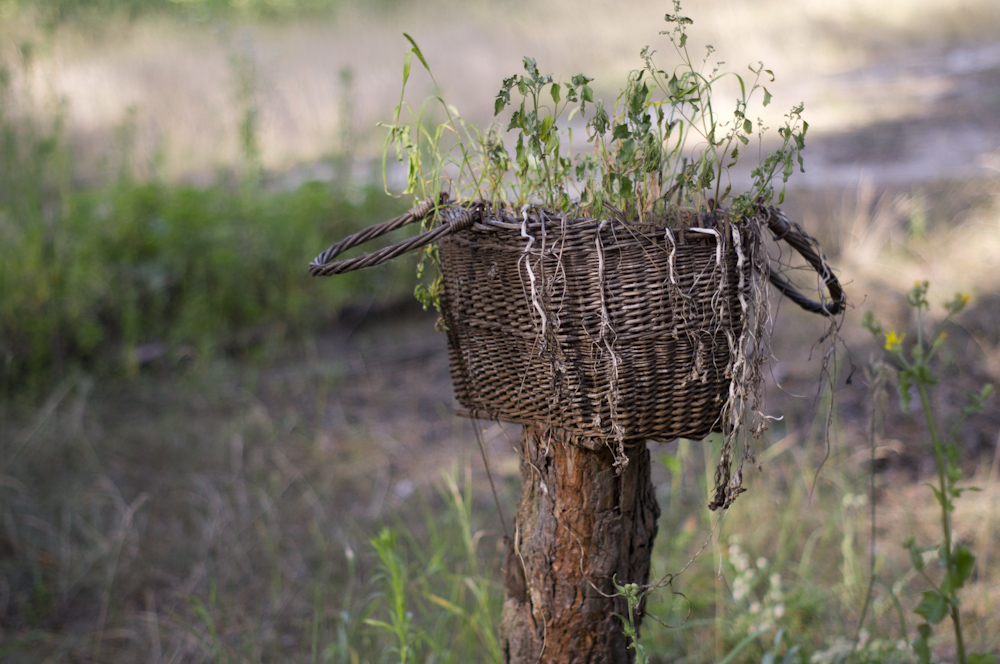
column 602, row 328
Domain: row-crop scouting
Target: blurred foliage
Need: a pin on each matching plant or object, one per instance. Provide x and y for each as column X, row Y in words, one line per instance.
column 54, row 12
column 94, row 274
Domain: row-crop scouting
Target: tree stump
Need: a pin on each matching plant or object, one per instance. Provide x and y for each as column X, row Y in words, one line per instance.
column 578, row 526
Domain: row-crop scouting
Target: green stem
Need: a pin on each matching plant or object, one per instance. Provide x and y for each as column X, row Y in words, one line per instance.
column 945, row 518
column 874, row 533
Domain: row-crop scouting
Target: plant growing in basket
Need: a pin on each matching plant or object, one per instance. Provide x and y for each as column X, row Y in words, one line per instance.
column 662, row 144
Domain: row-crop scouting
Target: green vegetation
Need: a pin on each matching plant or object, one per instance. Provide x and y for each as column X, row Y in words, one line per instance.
column 54, row 12
column 664, row 143
column 916, row 371
column 96, row 274
column 154, row 263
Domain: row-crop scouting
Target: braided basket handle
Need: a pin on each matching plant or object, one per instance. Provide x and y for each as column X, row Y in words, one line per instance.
column 807, row 247
column 461, row 219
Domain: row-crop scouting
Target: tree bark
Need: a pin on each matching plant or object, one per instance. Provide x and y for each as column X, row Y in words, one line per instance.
column 578, row 525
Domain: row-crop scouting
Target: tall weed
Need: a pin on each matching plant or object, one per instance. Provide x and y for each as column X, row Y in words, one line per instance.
column 947, row 565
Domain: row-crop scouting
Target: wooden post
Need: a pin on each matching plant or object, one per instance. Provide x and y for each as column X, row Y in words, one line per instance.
column 577, row 526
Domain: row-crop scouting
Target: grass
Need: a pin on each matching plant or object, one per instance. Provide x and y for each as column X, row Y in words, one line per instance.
column 210, row 517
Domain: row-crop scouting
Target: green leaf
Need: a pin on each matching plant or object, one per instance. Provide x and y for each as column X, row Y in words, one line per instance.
column 787, row 172
column 933, row 607
column 674, row 86
column 920, row 646
column 600, row 121
column 516, row 120
column 531, row 67
column 982, row 659
column 916, row 556
column 940, row 497
column 905, row 383
column 406, row 66
column 587, row 93
column 379, row 623
column 503, row 96
column 707, row 175
column 977, row 401
column 627, row 150
column 555, row 92
column 964, row 561
column 552, row 143
column 790, row 655
column 416, row 49
column 412, row 177
column 767, row 97
column 747, row 126
column 548, row 123
column 620, row 132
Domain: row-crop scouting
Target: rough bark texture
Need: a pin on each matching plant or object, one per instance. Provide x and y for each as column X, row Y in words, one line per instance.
column 577, row 526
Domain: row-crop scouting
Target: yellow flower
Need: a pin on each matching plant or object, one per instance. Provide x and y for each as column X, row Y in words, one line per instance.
column 893, row 341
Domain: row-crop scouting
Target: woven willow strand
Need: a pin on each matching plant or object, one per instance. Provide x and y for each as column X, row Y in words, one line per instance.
column 790, row 232
column 322, row 267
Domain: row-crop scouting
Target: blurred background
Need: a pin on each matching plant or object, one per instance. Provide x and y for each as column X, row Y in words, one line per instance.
column 206, row 455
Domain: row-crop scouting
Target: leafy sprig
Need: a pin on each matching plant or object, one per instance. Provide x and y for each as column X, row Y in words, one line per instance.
column 663, row 142
column 916, row 374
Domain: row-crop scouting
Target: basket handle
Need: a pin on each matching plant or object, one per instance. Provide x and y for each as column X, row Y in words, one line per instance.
column 463, row 218
column 792, row 233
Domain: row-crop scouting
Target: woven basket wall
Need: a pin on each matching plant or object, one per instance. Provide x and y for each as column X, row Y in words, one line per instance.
column 602, row 329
